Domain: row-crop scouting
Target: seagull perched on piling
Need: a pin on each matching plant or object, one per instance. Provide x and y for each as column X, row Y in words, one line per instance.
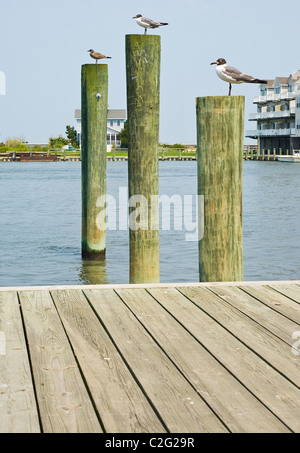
column 233, row 75
column 96, row 55
column 147, row 23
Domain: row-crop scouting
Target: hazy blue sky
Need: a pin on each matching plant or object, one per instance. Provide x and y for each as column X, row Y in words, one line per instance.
column 44, row 43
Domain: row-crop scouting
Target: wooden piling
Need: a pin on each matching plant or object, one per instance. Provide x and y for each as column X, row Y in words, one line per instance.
column 220, row 130
column 94, row 95
column 143, row 54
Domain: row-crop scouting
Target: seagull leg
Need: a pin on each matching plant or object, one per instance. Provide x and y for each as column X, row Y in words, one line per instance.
column 145, row 31
column 230, row 86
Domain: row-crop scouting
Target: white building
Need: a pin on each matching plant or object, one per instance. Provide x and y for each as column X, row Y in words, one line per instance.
column 278, row 115
column 115, row 123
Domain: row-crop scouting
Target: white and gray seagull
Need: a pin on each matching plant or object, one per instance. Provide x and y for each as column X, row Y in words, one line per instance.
column 147, row 23
column 233, row 75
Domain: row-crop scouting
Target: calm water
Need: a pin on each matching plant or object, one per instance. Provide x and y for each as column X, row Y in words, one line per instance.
column 40, row 239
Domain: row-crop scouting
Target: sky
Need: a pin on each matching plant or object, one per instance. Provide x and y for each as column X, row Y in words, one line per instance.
column 44, row 44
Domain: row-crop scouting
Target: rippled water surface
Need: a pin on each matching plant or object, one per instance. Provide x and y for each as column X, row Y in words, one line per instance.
column 40, row 241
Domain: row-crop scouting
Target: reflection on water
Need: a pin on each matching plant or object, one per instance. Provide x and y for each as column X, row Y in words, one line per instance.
column 40, row 225
column 93, row 272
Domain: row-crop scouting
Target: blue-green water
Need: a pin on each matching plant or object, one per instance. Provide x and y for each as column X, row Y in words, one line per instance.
column 40, row 240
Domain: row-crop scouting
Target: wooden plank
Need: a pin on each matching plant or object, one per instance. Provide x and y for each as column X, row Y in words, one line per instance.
column 274, row 300
column 149, row 285
column 269, row 386
column 258, row 312
column 178, row 404
column 277, row 353
column 18, row 410
column 64, row 403
column 222, row 392
column 120, row 402
column 290, row 290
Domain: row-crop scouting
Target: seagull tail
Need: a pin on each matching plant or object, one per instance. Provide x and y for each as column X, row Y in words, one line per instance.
column 108, row 57
column 163, row 23
column 259, row 81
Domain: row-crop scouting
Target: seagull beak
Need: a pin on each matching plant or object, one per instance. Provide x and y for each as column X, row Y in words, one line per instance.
column 213, row 63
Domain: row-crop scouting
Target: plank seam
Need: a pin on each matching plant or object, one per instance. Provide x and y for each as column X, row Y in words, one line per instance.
column 30, row 364
column 250, row 317
column 219, row 361
column 79, row 368
column 268, row 306
column 171, row 360
column 241, row 341
column 127, row 364
column 284, row 294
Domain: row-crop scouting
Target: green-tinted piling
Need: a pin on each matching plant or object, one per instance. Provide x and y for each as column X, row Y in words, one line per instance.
column 94, row 95
column 143, row 54
column 220, row 132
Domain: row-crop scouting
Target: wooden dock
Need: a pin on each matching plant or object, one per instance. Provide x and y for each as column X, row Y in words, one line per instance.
column 185, row 358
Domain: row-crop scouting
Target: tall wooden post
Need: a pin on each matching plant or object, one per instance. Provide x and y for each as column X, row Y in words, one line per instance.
column 94, row 95
column 143, row 98
column 220, row 136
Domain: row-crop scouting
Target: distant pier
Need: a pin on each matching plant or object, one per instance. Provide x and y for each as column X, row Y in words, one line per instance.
column 175, row 154
column 251, row 153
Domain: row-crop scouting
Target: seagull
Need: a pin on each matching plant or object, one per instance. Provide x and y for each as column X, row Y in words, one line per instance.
column 97, row 56
column 232, row 75
column 147, row 23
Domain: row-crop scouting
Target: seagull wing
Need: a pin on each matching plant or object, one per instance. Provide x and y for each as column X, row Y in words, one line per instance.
column 233, row 72
column 150, row 22
column 99, row 55
column 238, row 75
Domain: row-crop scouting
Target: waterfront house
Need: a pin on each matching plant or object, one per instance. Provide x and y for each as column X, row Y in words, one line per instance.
column 278, row 115
column 115, row 123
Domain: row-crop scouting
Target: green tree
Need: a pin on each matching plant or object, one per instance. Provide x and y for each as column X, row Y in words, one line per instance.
column 13, row 142
column 124, row 135
column 72, row 135
column 58, row 142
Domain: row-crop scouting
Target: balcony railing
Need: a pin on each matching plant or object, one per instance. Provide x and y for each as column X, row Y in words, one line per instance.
column 271, row 133
column 289, row 95
column 260, row 99
column 274, row 97
column 272, row 115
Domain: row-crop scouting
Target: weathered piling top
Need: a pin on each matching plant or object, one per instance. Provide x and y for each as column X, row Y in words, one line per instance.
column 185, row 358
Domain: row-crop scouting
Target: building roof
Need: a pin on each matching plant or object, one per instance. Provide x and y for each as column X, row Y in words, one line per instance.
column 295, row 76
column 112, row 114
column 270, row 83
column 78, row 114
column 282, row 80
